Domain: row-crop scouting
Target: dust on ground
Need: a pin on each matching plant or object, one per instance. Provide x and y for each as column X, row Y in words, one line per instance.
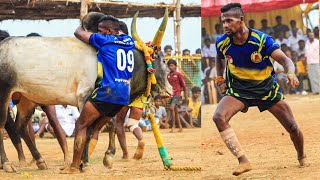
column 266, row 143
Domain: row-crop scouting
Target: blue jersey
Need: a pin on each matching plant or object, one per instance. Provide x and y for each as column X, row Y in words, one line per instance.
column 249, row 72
column 115, row 56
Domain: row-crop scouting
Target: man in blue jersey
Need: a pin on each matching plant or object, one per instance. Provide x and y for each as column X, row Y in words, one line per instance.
column 116, row 62
column 250, row 81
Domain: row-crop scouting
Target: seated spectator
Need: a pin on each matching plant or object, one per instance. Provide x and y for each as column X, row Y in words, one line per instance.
column 301, row 49
column 316, row 32
column 301, row 72
column 37, row 117
column 161, row 113
column 194, row 104
column 218, row 31
column 67, row 117
column 204, row 35
column 281, row 77
column 265, row 28
column 184, row 113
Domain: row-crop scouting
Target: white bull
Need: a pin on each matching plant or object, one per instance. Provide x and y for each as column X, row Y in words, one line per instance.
column 60, row 70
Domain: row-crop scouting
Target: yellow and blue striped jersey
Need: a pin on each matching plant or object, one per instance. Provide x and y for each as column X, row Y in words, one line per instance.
column 249, row 72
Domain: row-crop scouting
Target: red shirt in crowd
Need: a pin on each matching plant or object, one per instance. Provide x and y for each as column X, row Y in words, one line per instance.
column 177, row 82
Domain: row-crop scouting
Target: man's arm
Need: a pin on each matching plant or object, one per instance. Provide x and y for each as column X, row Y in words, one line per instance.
column 83, row 35
column 288, row 66
column 220, row 65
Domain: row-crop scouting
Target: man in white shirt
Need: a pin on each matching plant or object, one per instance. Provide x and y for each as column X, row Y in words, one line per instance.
column 67, row 116
column 312, row 55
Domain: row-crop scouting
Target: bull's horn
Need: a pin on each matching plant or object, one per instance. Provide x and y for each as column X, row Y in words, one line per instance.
column 134, row 33
column 159, row 35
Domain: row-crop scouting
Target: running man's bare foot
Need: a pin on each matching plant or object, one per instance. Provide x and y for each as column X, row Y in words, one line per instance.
column 303, row 162
column 70, row 170
column 125, row 156
column 140, row 149
column 242, row 168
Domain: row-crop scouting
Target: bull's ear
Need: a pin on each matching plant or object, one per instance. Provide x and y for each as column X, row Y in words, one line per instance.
column 159, row 35
column 134, row 33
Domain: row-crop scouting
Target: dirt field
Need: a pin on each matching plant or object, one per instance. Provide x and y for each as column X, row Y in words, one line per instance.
column 183, row 148
column 266, row 143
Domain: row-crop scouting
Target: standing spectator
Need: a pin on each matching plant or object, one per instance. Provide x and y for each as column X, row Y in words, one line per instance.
column 293, row 40
column 208, row 53
column 167, row 50
column 186, row 52
column 293, row 25
column 204, row 35
column 218, row 31
column 194, row 104
column 280, row 27
column 251, row 23
column 312, row 55
column 265, row 28
column 281, row 39
column 178, row 85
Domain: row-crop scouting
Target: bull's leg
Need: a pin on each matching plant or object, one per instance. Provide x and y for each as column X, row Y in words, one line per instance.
column 85, row 155
column 58, row 131
column 4, row 103
column 26, row 108
column 108, row 156
column 15, row 139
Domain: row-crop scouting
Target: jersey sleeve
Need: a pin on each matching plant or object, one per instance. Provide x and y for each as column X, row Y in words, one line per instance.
column 270, row 45
column 97, row 40
column 219, row 53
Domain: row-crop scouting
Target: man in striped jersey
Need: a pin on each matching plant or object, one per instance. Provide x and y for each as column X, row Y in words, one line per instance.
column 250, row 81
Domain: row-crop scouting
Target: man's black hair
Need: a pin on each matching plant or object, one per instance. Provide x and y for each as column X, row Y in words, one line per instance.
column 198, row 51
column 264, row 20
column 157, row 97
column 33, row 34
column 233, row 7
column 171, row 61
column 300, row 41
column 167, row 47
column 4, row 34
column 110, row 21
column 207, row 39
column 123, row 27
column 278, row 17
column 195, row 89
column 185, row 50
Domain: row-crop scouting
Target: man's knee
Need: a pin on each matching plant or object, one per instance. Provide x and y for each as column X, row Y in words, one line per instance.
column 218, row 118
column 133, row 124
column 294, row 129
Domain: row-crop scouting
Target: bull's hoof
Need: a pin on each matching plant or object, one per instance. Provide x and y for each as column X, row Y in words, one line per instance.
column 65, row 164
column 8, row 167
column 41, row 164
column 87, row 168
column 108, row 161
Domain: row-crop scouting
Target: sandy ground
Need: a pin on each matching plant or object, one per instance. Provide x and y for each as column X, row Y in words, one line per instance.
column 266, row 143
column 183, row 148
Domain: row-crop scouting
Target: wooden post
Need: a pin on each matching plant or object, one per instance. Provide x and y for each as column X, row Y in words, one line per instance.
column 84, row 8
column 177, row 40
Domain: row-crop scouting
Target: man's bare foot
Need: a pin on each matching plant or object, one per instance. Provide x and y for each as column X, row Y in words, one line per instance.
column 125, row 156
column 70, row 170
column 303, row 162
column 87, row 168
column 171, row 131
column 242, row 168
column 140, row 149
column 180, row 130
